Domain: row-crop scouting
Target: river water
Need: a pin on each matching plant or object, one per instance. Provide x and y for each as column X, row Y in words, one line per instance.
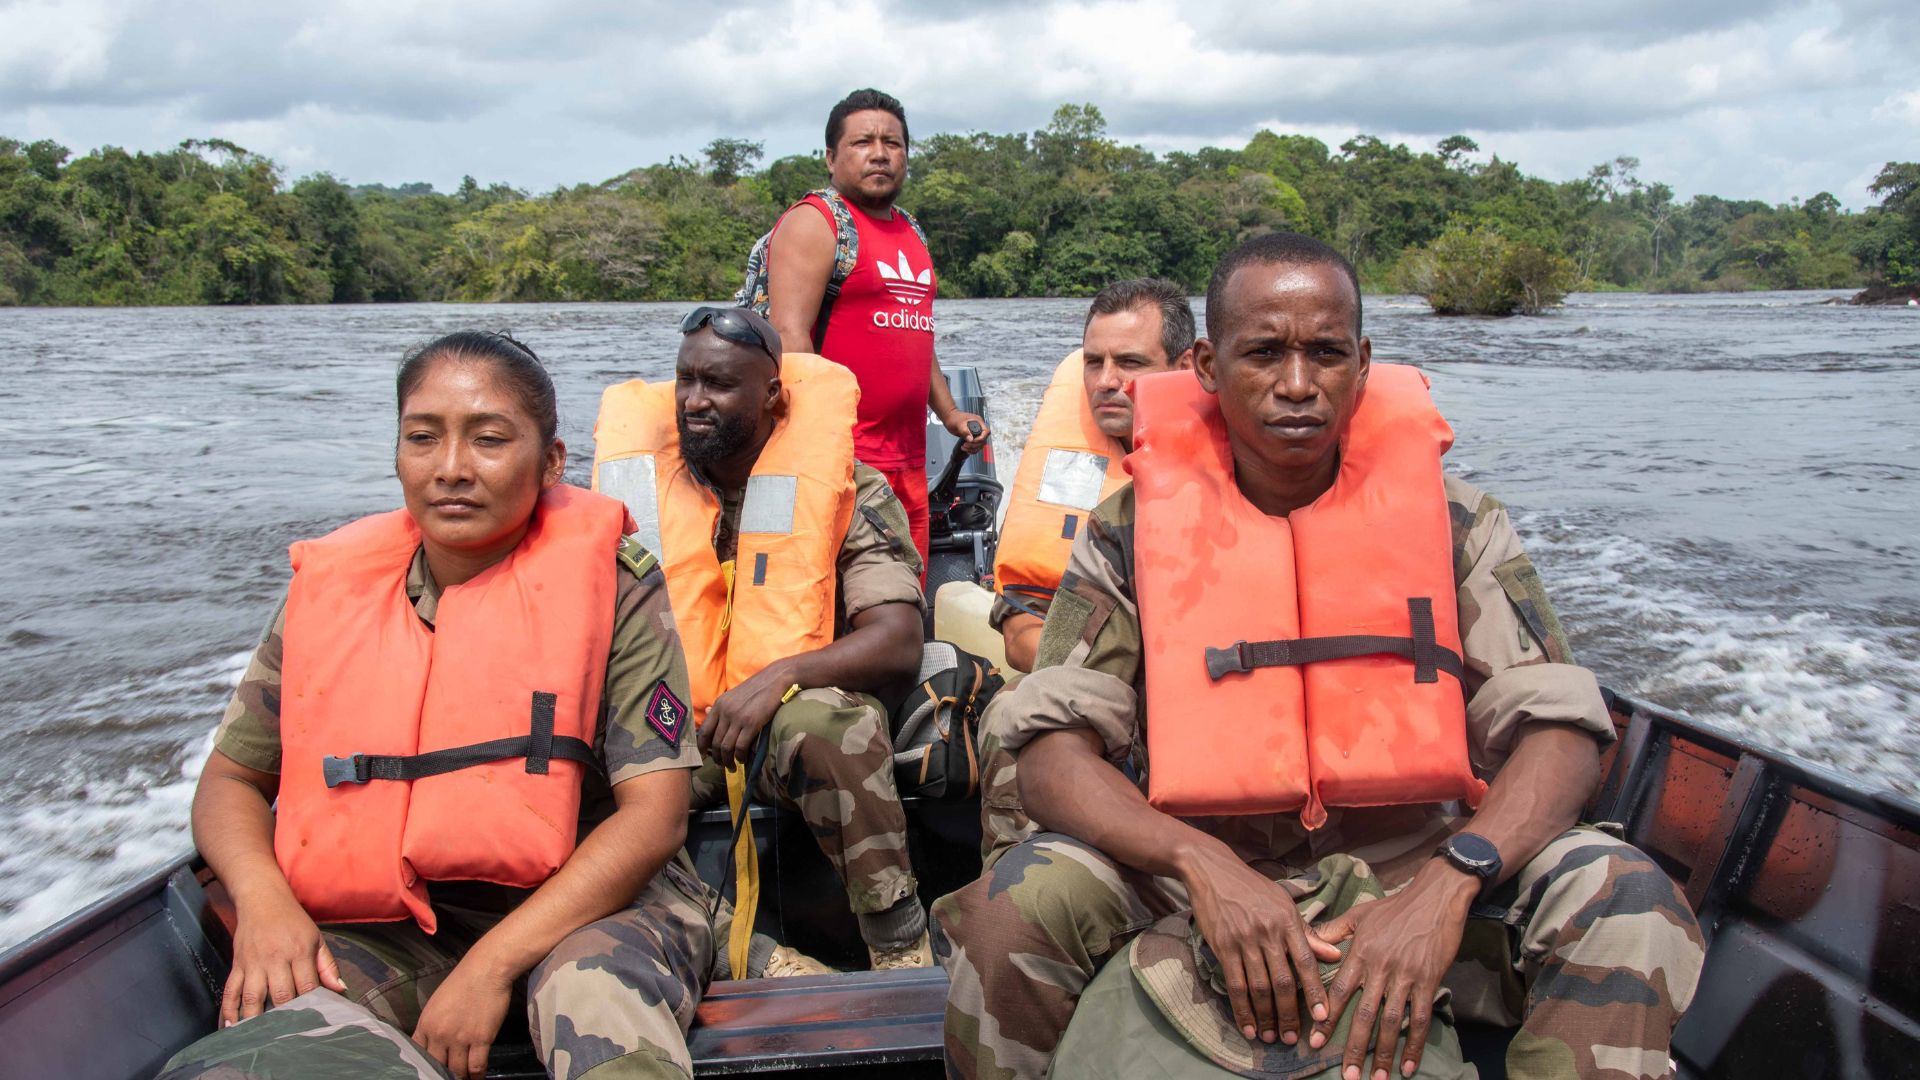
column 1722, row 493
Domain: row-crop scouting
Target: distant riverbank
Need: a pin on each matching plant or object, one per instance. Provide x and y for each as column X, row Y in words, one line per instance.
column 1060, row 211
column 1369, row 290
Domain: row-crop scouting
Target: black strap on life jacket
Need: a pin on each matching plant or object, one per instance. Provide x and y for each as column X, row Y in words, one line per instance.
column 1017, row 595
column 540, row 746
column 1428, row 655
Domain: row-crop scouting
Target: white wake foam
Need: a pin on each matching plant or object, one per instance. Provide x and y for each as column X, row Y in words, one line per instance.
column 1820, row 684
column 67, row 852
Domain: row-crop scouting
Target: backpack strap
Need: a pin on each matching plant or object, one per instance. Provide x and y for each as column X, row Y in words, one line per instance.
column 846, row 240
column 917, row 230
column 846, row 255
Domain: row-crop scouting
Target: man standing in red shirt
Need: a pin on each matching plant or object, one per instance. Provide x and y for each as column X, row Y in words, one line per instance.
column 879, row 320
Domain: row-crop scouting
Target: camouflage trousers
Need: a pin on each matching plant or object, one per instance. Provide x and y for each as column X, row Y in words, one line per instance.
column 831, row 760
column 613, row 999
column 1590, row 949
column 1158, row 1008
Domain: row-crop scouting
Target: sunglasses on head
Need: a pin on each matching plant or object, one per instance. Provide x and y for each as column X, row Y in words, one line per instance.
column 730, row 324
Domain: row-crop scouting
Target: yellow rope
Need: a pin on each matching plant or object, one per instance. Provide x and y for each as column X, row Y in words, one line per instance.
column 746, row 876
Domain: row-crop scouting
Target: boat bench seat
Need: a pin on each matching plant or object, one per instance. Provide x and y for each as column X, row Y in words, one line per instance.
column 819, row 1022
column 850, row 1024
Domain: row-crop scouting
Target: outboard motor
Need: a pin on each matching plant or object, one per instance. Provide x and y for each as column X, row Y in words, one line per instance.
column 963, row 496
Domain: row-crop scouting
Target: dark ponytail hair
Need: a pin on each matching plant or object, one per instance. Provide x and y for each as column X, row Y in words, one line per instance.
column 512, row 361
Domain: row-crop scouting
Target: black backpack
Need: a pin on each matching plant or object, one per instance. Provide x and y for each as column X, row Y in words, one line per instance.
column 936, row 729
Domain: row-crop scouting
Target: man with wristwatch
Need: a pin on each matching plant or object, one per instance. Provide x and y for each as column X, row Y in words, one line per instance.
column 1473, row 854
column 1231, row 920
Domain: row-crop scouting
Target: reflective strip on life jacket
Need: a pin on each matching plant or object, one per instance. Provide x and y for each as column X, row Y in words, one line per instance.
column 451, row 752
column 1308, row 661
column 1069, row 467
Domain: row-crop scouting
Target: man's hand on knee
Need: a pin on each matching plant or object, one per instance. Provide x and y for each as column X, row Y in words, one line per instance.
column 1402, row 947
column 736, row 718
column 1266, row 955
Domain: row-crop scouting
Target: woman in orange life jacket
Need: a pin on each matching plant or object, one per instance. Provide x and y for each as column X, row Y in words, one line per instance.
column 419, row 630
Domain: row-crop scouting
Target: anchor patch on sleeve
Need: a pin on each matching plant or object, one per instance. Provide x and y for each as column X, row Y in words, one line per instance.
column 667, row 714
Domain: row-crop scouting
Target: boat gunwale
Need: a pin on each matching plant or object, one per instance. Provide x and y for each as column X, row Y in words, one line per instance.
column 49, row 942
column 1880, row 802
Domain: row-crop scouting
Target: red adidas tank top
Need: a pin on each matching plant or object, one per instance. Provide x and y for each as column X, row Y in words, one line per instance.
column 881, row 328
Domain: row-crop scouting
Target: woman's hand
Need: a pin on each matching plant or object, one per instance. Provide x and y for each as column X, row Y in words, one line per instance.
column 462, row 1018
column 278, row 954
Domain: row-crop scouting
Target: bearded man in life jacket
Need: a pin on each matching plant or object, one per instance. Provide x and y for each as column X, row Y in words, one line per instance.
column 796, row 594
column 1290, row 668
column 1073, row 455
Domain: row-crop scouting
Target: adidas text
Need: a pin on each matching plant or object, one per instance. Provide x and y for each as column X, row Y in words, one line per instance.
column 902, row 319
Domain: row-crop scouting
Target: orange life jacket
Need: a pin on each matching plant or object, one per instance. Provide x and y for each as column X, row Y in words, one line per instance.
column 1308, row 661
column 799, row 503
column 1069, row 466
column 451, row 752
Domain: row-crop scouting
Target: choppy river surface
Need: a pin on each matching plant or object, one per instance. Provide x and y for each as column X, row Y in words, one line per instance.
column 1722, row 492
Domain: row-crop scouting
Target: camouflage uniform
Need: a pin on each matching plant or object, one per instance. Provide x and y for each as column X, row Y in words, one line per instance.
column 619, row 992
column 1162, row 999
column 318, row 1034
column 831, row 752
column 1589, row 947
column 619, row 989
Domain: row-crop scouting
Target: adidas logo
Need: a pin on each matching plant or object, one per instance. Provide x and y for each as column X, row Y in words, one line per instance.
column 903, row 284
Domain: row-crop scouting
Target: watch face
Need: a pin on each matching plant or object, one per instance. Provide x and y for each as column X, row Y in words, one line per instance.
column 1474, row 851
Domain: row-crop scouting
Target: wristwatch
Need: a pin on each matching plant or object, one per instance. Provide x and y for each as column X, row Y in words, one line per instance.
column 1475, row 855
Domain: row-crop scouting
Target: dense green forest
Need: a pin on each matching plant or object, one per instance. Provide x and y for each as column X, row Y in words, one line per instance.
column 1059, row 211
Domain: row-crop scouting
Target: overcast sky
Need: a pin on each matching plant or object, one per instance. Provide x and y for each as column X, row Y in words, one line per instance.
column 1743, row 98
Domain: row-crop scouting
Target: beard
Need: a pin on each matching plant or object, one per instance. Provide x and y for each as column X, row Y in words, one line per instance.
column 885, row 196
column 730, row 435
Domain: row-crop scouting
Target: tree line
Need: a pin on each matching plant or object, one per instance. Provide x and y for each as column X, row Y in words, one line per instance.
column 1055, row 212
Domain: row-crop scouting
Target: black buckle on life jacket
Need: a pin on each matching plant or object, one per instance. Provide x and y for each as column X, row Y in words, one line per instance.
column 346, row 770
column 1224, row 662
column 1420, row 646
column 540, row 747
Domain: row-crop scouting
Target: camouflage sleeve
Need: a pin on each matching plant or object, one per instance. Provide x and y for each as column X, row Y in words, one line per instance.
column 1087, row 672
column 646, row 722
column 250, row 731
column 1093, row 621
column 1519, row 668
column 878, row 563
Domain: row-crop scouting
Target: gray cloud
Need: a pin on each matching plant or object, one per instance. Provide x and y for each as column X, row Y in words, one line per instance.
column 247, row 61
column 1367, row 29
column 391, row 90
